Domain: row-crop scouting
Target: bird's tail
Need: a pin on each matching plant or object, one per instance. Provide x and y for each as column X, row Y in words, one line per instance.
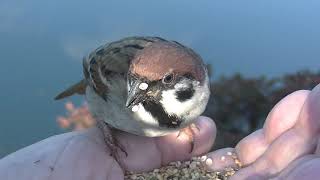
column 78, row 88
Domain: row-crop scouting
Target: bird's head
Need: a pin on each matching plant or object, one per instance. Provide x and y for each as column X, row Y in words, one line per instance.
column 168, row 85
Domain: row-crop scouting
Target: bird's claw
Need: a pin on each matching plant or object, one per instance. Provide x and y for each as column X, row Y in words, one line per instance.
column 112, row 143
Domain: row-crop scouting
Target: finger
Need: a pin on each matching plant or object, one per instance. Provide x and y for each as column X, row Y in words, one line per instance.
column 309, row 124
column 220, row 159
column 309, row 170
column 228, row 157
column 294, row 167
column 174, row 149
column 292, row 144
column 283, row 151
column 146, row 153
column 317, row 152
column 284, row 115
column 281, row 118
column 307, row 166
column 247, row 173
column 251, row 147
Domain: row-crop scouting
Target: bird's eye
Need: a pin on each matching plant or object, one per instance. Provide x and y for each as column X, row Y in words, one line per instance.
column 168, row 78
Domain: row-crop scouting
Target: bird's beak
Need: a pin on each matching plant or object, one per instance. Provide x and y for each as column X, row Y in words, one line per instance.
column 135, row 94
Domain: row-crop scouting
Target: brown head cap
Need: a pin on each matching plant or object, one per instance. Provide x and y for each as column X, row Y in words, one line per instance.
column 159, row 58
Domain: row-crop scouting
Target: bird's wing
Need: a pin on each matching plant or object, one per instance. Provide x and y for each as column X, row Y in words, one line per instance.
column 112, row 59
column 106, row 61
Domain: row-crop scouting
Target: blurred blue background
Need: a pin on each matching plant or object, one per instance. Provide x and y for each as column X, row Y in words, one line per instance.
column 42, row 43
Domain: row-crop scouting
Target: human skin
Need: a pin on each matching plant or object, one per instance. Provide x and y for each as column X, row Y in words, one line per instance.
column 287, row 147
column 83, row 155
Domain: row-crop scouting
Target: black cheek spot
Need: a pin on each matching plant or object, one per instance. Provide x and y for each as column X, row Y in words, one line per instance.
column 185, row 95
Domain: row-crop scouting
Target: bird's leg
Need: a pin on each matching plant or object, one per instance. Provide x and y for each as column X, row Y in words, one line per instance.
column 112, row 143
column 190, row 132
column 117, row 143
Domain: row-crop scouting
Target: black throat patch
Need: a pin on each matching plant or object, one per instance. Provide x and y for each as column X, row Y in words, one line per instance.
column 159, row 113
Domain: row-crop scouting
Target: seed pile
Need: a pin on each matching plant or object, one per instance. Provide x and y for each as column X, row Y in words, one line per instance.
column 186, row 170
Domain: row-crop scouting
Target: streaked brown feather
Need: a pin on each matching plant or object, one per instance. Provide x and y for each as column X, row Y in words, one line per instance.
column 113, row 58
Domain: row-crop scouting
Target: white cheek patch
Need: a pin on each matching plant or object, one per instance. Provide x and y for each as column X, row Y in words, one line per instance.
column 174, row 107
column 191, row 108
column 145, row 116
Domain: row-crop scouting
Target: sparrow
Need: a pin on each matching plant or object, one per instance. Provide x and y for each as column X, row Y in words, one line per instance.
column 147, row 86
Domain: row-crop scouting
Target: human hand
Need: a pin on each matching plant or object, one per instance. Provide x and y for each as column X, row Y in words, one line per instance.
column 287, row 147
column 145, row 153
column 83, row 154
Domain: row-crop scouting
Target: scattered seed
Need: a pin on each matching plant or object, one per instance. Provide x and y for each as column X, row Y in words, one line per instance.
column 193, row 165
column 236, row 160
column 135, row 108
column 209, row 162
column 203, row 158
column 238, row 163
column 143, row 86
column 186, row 170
